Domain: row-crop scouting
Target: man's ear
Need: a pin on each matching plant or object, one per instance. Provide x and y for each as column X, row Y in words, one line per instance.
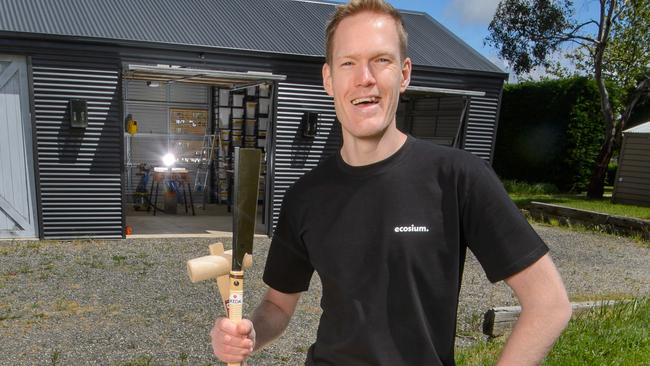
column 327, row 79
column 406, row 74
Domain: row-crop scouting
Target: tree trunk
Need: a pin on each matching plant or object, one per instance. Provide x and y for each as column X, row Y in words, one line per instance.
column 597, row 181
column 596, row 186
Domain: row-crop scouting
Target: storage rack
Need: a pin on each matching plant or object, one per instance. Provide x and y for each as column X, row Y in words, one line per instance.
column 242, row 118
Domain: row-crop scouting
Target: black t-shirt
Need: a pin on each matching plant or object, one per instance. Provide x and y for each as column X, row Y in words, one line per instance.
column 388, row 241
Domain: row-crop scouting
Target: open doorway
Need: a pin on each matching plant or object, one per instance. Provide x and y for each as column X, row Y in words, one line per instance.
column 182, row 127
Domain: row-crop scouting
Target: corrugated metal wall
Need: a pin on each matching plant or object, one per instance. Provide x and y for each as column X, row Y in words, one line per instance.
column 293, row 156
column 632, row 184
column 80, row 174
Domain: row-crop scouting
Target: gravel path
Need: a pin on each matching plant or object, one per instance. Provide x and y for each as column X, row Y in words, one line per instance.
column 114, row 302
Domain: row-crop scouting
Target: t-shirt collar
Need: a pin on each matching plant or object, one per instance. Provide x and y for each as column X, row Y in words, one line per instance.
column 378, row 167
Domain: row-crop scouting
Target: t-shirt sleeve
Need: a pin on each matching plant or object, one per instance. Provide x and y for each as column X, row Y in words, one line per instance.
column 288, row 268
column 494, row 228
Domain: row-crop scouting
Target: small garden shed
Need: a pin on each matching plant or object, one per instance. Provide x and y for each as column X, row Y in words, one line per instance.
column 632, row 185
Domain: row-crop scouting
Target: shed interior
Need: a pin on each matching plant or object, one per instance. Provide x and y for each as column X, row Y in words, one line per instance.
column 199, row 117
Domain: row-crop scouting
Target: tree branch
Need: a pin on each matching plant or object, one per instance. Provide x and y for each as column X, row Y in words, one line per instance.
column 601, row 23
column 643, row 87
column 578, row 27
column 568, row 37
column 608, row 24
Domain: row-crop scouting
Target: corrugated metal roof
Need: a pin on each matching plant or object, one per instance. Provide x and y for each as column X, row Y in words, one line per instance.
column 642, row 128
column 276, row 26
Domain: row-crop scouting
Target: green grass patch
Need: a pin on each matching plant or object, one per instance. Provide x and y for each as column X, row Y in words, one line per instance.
column 615, row 335
column 524, row 193
column 523, row 188
column 119, row 260
column 483, row 353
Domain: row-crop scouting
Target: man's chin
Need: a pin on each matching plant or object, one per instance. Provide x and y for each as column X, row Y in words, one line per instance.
column 366, row 133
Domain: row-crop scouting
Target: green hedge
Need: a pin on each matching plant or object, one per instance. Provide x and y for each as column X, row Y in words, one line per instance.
column 550, row 131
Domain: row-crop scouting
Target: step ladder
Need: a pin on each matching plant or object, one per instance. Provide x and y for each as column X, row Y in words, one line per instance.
column 203, row 163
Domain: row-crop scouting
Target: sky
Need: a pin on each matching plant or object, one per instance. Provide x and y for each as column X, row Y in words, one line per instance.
column 469, row 19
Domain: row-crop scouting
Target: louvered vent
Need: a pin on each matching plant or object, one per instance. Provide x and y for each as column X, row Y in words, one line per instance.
column 479, row 136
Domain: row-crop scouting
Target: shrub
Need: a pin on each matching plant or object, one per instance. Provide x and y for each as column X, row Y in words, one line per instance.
column 550, row 131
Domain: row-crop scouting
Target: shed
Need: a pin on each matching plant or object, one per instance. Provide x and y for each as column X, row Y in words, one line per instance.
column 632, row 184
column 236, row 72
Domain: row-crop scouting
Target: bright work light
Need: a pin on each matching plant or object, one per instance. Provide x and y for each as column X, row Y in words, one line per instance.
column 169, row 159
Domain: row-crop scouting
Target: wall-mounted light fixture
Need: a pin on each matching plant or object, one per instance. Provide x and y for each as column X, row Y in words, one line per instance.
column 78, row 113
column 309, row 124
column 153, row 84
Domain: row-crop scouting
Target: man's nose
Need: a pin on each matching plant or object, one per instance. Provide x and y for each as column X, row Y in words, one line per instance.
column 365, row 76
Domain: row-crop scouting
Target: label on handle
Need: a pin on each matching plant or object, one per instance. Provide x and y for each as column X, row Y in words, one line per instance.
column 236, row 298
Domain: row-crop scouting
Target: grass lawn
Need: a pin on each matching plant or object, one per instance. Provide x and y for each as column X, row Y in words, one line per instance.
column 616, row 335
column 522, row 194
column 581, row 202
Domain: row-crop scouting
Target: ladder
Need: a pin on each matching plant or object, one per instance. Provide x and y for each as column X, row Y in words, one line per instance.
column 203, row 163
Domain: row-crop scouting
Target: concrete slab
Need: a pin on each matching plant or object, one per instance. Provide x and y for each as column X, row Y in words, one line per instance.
column 213, row 222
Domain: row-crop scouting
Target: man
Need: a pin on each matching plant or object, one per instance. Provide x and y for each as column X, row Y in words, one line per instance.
column 386, row 224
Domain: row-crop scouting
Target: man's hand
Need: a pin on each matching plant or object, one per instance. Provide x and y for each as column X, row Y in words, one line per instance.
column 232, row 342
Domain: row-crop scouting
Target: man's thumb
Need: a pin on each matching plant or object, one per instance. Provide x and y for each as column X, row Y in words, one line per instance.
column 244, row 327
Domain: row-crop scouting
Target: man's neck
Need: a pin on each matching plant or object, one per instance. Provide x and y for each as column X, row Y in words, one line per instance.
column 365, row 151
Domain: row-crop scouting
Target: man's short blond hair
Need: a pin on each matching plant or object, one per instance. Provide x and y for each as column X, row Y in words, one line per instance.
column 354, row 7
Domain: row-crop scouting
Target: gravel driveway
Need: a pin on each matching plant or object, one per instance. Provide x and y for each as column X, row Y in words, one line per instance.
column 114, row 302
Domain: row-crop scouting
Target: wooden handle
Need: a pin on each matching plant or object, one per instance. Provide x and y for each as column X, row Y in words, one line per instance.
column 236, row 295
column 236, row 299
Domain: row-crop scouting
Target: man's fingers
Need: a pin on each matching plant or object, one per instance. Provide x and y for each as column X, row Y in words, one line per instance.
column 231, row 353
column 235, row 351
column 231, row 342
column 226, row 325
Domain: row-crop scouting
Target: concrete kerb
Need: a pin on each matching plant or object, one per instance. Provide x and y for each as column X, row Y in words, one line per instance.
column 622, row 225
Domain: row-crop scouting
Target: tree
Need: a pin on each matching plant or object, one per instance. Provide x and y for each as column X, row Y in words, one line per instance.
column 614, row 49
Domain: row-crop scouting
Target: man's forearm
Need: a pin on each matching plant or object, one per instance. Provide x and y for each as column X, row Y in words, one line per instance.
column 269, row 321
column 545, row 312
column 534, row 334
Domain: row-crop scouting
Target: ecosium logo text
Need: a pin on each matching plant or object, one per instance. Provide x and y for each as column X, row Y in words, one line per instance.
column 411, row 229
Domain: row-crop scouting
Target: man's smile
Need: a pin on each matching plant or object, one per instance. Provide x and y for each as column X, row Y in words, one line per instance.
column 365, row 101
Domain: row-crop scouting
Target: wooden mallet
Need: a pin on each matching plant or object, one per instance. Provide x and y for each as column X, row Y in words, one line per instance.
column 215, row 266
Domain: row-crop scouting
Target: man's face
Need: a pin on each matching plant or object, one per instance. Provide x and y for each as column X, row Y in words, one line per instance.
column 366, row 75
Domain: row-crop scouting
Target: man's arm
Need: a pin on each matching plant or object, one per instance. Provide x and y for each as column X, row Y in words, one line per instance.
column 545, row 312
column 232, row 342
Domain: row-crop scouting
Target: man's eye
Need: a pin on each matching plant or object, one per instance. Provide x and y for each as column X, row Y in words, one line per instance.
column 383, row 60
column 346, row 63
